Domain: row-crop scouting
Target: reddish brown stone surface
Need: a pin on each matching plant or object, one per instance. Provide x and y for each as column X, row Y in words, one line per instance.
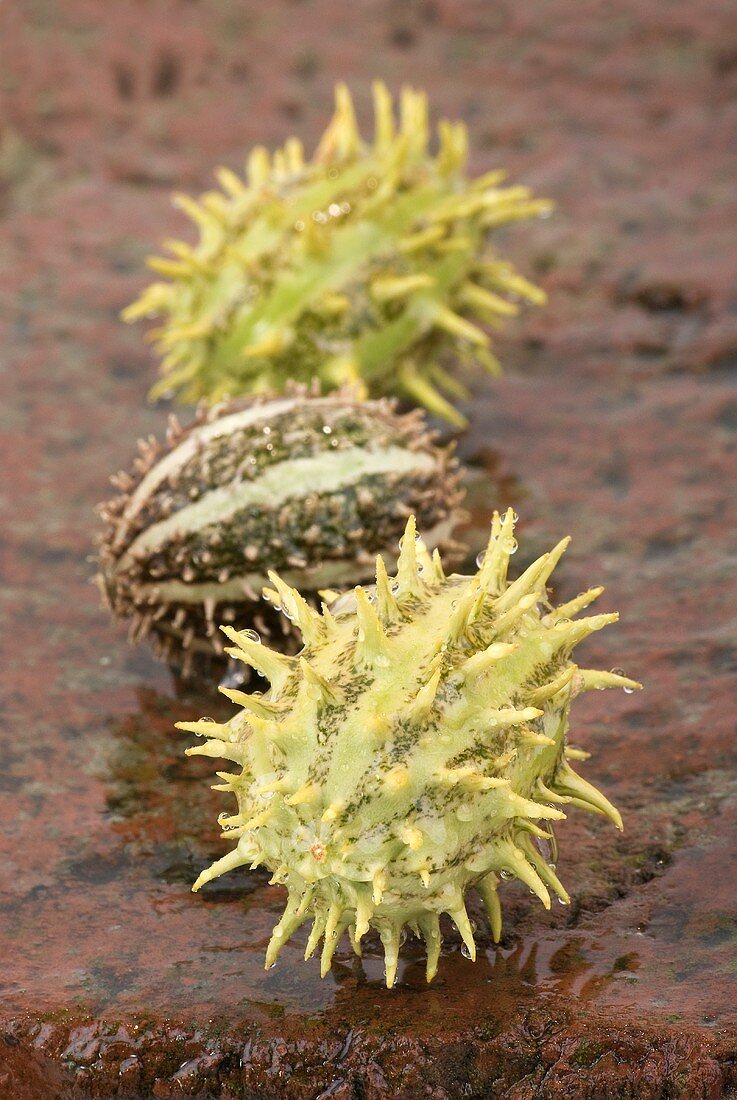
column 616, row 422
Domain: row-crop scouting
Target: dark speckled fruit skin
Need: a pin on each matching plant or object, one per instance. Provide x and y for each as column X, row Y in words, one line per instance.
column 309, row 485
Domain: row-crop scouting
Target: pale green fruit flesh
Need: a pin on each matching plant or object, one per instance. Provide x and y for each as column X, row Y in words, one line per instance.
column 414, row 749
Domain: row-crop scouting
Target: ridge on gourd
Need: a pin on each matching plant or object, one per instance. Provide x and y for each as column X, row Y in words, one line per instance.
column 369, row 263
column 417, row 747
column 313, row 486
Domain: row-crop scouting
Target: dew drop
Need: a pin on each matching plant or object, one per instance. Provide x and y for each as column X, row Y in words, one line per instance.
column 506, row 874
column 251, row 636
column 299, row 226
column 327, row 430
column 480, row 558
column 402, row 937
column 548, row 848
column 418, row 538
column 208, row 720
column 271, row 966
column 334, row 210
column 267, row 430
column 465, row 951
column 561, row 901
column 628, row 691
column 511, row 546
column 617, row 671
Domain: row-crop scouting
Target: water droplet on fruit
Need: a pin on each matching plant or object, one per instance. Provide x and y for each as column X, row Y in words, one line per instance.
column 547, row 847
column 418, row 538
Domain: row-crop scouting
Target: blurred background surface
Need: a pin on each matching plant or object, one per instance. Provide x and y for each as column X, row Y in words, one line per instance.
column 616, row 421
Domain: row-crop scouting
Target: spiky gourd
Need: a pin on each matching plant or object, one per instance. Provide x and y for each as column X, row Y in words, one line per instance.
column 411, row 750
column 369, row 263
column 313, row 486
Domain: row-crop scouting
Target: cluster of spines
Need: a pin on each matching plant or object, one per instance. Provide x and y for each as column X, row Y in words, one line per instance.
column 355, row 906
column 403, row 230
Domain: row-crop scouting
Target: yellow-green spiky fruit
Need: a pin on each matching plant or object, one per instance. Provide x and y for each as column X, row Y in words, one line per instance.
column 368, row 263
column 411, row 750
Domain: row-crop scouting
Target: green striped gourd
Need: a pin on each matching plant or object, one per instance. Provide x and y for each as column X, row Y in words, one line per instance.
column 416, row 747
column 369, row 263
column 313, row 486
